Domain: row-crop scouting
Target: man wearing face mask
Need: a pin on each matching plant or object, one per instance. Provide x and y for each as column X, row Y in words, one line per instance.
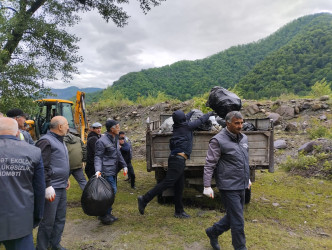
column 56, row 169
column 180, row 145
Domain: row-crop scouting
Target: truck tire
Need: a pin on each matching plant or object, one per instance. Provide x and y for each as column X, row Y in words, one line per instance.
column 247, row 195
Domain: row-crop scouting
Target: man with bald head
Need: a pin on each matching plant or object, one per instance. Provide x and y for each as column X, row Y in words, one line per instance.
column 22, row 187
column 56, row 165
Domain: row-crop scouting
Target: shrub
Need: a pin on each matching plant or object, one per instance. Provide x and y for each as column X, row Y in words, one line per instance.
column 319, row 129
column 321, row 88
column 319, row 164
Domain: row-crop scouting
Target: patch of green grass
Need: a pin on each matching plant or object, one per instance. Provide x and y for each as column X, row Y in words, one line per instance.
column 302, row 220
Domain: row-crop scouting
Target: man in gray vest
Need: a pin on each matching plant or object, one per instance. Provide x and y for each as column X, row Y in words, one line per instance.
column 56, row 164
column 228, row 153
column 22, row 188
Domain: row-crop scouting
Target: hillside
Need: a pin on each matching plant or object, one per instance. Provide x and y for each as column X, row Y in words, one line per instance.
column 290, row 60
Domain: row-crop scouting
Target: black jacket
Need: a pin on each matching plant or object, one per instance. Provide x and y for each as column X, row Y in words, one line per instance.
column 91, row 149
column 182, row 139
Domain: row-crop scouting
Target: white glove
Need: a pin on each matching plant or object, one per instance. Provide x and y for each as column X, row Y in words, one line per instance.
column 208, row 191
column 125, row 171
column 249, row 184
column 97, row 174
column 50, row 194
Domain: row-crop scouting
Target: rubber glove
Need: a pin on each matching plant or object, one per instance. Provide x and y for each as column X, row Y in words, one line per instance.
column 249, row 184
column 50, row 194
column 98, row 173
column 208, row 191
column 125, row 171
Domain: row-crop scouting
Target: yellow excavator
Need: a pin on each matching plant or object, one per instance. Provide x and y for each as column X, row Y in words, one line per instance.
column 48, row 108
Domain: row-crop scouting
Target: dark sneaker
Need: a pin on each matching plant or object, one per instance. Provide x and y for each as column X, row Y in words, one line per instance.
column 113, row 218
column 106, row 220
column 182, row 215
column 59, row 247
column 141, row 204
column 134, row 187
column 213, row 238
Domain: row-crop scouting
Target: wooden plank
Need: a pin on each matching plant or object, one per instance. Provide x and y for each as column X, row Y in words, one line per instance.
column 257, row 152
column 258, row 144
column 160, row 146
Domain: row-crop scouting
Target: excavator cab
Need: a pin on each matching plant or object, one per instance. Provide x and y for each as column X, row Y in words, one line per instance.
column 48, row 108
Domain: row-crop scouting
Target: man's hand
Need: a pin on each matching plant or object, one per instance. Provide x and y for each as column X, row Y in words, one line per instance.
column 125, row 171
column 249, row 184
column 50, row 194
column 208, row 191
column 68, row 185
column 97, row 174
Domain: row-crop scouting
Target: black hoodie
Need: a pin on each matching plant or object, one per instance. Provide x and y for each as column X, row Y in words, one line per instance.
column 182, row 139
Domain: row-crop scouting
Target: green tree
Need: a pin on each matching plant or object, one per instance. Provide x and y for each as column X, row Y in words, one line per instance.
column 320, row 88
column 35, row 46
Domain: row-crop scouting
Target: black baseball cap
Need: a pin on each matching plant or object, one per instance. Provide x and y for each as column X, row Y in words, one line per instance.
column 16, row 112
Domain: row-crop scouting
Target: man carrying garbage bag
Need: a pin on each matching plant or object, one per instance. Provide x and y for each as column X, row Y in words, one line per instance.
column 108, row 159
column 181, row 145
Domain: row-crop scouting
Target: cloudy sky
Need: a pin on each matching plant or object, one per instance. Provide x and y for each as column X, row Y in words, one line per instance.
column 177, row 30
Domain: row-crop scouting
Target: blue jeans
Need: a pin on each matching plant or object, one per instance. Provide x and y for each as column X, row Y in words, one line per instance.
column 51, row 227
column 113, row 181
column 24, row 243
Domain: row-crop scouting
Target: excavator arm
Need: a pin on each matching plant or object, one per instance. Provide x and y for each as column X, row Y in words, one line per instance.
column 80, row 118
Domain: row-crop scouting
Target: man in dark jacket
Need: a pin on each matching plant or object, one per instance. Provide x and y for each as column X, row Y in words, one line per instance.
column 21, row 117
column 108, row 160
column 127, row 153
column 181, row 145
column 93, row 136
column 77, row 155
column 228, row 153
column 22, row 188
column 56, row 166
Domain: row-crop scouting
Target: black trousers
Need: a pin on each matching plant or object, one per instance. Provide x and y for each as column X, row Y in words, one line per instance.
column 174, row 178
column 131, row 174
column 233, row 201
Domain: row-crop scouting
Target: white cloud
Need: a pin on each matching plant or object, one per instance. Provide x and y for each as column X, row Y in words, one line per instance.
column 177, row 30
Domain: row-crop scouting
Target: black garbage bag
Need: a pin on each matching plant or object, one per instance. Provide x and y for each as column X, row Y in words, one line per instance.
column 207, row 126
column 223, row 101
column 247, row 126
column 221, row 121
column 97, row 197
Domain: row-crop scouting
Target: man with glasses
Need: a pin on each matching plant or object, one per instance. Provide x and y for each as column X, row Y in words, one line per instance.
column 126, row 151
column 21, row 117
column 108, row 159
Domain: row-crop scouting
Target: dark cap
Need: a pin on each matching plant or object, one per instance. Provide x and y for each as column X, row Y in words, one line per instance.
column 110, row 123
column 16, row 112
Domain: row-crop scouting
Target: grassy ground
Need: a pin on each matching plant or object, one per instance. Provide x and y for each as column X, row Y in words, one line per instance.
column 286, row 212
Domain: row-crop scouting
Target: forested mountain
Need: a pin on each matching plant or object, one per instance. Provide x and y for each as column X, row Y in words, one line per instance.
column 70, row 92
column 290, row 60
column 295, row 67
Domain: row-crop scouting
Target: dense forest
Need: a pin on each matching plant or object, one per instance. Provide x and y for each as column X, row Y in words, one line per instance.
column 290, row 60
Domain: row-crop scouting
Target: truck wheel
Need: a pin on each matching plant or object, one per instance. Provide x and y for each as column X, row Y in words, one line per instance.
column 247, row 195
